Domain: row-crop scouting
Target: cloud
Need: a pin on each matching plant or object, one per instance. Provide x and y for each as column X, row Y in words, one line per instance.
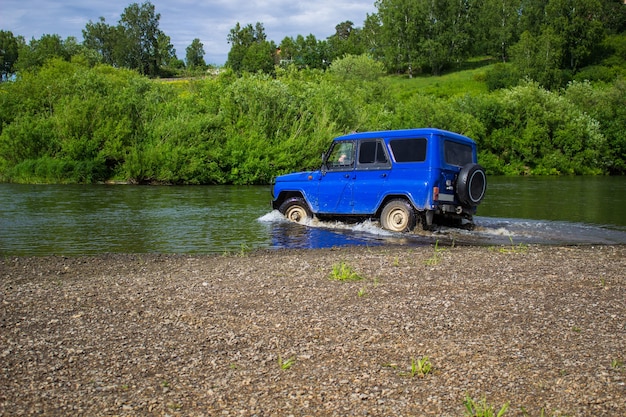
column 184, row 20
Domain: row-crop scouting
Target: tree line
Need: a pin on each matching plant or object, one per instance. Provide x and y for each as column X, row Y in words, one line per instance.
column 547, row 41
column 136, row 42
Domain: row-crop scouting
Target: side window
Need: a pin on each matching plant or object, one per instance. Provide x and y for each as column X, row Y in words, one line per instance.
column 457, row 154
column 341, row 156
column 409, row 150
column 372, row 154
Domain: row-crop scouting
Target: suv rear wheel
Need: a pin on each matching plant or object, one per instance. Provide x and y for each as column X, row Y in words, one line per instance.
column 296, row 210
column 398, row 216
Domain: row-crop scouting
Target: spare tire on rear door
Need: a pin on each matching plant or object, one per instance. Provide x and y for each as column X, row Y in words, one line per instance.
column 471, row 184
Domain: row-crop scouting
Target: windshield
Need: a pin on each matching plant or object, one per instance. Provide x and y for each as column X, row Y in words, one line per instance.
column 341, row 156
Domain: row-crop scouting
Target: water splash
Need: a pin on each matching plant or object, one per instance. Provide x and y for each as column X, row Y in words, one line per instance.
column 487, row 231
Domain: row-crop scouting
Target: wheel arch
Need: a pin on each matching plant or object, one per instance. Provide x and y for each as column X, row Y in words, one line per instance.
column 286, row 195
column 390, row 197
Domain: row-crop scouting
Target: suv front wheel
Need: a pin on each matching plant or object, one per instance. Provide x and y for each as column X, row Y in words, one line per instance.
column 296, row 210
column 398, row 216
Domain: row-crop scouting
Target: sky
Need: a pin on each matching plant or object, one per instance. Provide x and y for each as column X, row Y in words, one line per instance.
column 184, row 20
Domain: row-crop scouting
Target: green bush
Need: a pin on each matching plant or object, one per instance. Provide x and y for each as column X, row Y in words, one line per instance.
column 605, row 106
column 532, row 131
column 502, row 76
column 67, row 122
column 597, row 73
column 68, row 112
column 47, row 169
column 357, row 67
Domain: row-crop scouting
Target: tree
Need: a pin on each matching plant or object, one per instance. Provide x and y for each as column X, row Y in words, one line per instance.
column 345, row 41
column 250, row 50
column 38, row 51
column 427, row 34
column 140, row 25
column 614, row 16
column 539, row 57
column 498, row 26
column 286, row 51
column 446, row 38
column 259, row 57
column 569, row 31
column 532, row 16
column 8, row 54
column 578, row 23
column 311, row 52
column 305, row 52
column 167, row 53
column 135, row 43
column 400, row 33
column 104, row 39
column 370, row 36
column 195, row 55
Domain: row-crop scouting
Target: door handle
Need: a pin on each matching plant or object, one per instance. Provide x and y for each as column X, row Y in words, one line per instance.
column 383, row 175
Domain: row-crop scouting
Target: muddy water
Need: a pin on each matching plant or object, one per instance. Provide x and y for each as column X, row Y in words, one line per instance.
column 77, row 220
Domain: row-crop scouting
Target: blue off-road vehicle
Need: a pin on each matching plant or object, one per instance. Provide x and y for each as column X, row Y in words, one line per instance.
column 400, row 177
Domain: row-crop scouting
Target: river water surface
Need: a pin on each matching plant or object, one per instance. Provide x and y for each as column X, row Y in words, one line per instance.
column 94, row 219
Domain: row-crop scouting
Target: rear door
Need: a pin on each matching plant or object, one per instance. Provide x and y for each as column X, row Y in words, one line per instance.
column 412, row 171
column 373, row 167
column 455, row 155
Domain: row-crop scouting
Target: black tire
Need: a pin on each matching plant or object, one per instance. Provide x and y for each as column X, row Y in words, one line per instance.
column 296, row 210
column 471, row 185
column 398, row 216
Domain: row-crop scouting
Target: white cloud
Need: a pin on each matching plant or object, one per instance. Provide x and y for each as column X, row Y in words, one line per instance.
column 184, row 20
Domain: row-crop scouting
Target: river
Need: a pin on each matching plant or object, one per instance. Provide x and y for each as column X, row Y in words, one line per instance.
column 93, row 219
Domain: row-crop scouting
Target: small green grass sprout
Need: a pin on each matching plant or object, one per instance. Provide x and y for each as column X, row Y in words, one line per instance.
column 481, row 408
column 344, row 272
column 519, row 248
column 286, row 363
column 420, row 368
column 436, row 258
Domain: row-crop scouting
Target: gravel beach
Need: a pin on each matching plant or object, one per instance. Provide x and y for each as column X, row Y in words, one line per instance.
column 269, row 333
